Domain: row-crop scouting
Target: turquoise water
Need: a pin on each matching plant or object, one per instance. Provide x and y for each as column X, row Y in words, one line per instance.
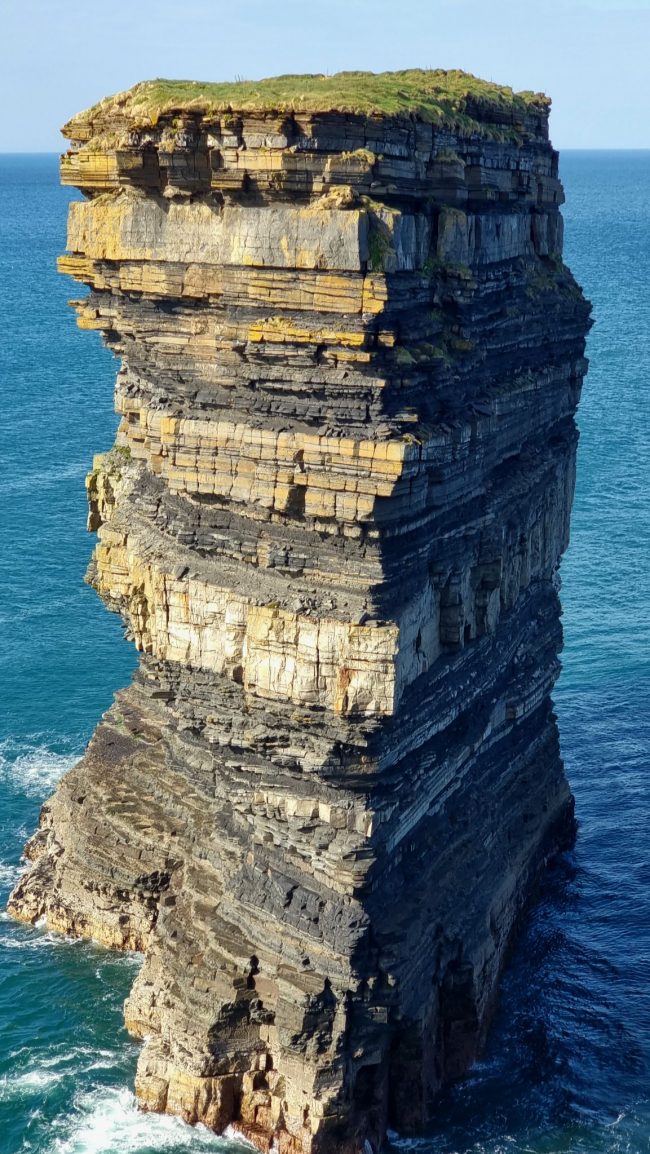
column 568, row 1064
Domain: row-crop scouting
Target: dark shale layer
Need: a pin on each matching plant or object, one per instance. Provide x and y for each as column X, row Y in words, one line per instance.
column 350, row 361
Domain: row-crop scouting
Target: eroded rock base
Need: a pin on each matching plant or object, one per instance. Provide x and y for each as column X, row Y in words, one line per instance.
column 266, row 986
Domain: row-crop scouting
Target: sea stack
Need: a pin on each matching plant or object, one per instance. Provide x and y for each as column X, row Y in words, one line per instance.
column 350, row 359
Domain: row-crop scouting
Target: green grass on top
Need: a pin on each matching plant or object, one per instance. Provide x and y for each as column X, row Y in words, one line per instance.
column 436, row 96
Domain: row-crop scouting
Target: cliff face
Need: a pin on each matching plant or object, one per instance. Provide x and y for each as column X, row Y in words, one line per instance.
column 350, row 360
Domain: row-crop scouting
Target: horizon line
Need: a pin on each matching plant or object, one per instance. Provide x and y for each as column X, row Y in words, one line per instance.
column 558, row 148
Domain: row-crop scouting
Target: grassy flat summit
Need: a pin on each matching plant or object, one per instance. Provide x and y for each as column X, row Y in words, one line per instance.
column 436, row 96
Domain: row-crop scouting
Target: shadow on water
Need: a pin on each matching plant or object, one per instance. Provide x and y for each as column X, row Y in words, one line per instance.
column 560, row 1060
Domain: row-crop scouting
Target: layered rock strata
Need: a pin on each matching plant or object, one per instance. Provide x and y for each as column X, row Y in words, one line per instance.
column 350, row 361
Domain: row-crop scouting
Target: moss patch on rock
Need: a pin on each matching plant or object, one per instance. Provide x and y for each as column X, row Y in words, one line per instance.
column 453, row 98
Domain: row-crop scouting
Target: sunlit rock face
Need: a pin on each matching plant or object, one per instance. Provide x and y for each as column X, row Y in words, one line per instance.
column 350, row 358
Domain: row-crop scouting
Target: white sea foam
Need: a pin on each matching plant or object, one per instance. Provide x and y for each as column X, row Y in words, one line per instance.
column 9, row 874
column 126, row 959
column 45, row 1071
column 35, row 770
column 31, row 1082
column 234, row 1138
column 107, row 1121
column 24, row 939
column 74, row 1058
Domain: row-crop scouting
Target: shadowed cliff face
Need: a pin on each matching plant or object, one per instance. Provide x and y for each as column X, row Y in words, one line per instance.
column 332, row 521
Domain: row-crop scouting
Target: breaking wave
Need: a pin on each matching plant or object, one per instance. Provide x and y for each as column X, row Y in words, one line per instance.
column 107, row 1121
column 34, row 770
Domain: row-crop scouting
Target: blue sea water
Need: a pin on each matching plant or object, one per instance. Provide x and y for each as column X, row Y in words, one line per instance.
column 567, row 1068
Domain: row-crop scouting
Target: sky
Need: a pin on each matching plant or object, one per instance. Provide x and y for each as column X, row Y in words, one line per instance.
column 591, row 56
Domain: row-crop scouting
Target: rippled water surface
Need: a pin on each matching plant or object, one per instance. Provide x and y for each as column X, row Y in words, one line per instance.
column 568, row 1064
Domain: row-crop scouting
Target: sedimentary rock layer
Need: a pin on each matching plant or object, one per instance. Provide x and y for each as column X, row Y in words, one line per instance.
column 351, row 356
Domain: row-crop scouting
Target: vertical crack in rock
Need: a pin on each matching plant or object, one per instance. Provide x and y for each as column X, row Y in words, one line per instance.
column 351, row 356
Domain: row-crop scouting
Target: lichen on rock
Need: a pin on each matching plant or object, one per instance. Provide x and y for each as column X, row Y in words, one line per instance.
column 351, row 356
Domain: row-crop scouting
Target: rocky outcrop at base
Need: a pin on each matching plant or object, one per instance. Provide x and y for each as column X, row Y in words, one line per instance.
column 351, row 356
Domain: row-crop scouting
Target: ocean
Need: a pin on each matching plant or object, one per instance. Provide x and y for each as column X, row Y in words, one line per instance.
column 567, row 1067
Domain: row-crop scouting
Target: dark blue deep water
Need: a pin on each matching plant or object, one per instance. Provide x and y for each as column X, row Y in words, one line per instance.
column 568, row 1064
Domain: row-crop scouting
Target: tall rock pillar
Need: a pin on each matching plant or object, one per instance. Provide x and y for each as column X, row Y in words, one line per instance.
column 332, row 520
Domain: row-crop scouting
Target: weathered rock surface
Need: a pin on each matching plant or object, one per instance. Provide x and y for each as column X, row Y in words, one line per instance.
column 350, row 361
